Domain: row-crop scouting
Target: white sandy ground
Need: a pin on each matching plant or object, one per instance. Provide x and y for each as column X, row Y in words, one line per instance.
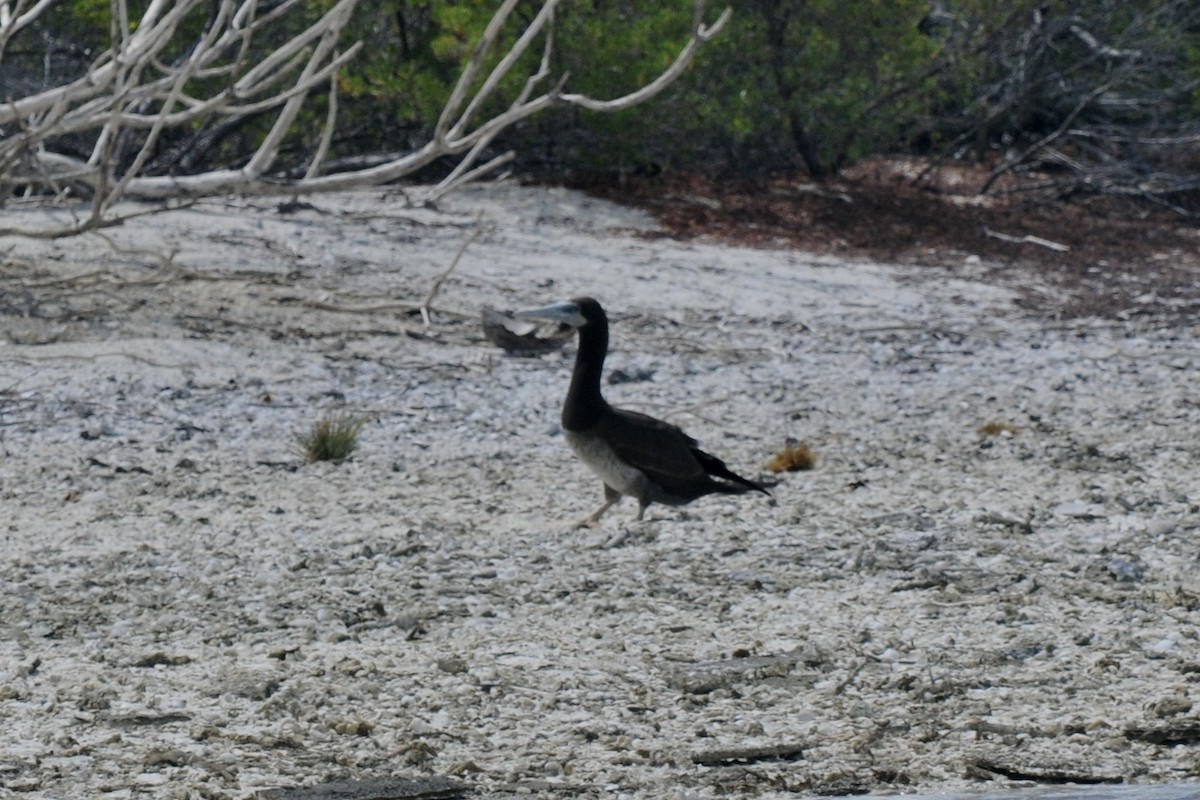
column 190, row 611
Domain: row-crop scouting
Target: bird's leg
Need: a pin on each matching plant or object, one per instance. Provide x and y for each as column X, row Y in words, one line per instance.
column 611, row 497
column 638, row 529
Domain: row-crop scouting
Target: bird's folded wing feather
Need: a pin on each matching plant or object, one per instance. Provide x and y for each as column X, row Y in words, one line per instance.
column 660, row 450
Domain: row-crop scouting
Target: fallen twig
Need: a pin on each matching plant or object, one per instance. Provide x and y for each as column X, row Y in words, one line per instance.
column 726, row 756
column 1027, row 239
column 377, row 308
column 426, row 304
column 93, row 224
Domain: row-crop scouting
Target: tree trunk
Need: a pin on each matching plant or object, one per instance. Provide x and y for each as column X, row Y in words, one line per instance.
column 804, row 147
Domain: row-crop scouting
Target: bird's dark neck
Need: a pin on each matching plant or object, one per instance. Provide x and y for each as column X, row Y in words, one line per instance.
column 585, row 405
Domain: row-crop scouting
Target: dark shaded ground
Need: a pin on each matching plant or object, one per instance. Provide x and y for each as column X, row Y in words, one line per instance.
column 1124, row 259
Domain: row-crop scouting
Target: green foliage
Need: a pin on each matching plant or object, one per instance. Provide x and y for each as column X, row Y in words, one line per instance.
column 82, row 23
column 90, row 13
column 332, row 438
column 87, row 24
column 1021, row 69
column 818, row 83
column 812, row 83
column 835, row 79
column 415, row 52
column 609, row 49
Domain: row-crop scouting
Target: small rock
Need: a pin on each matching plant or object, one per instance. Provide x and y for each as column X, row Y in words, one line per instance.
column 452, row 665
column 1161, row 526
column 617, row 376
column 172, row 757
column 1170, row 706
column 1125, row 571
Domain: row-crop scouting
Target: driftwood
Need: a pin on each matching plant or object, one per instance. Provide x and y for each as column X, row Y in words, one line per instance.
column 427, row 304
column 728, row 756
column 433, row 788
column 134, row 92
column 519, row 337
column 1029, row 769
column 1027, row 239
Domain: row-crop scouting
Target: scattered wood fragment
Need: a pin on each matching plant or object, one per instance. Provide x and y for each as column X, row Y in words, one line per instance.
column 1007, row 520
column 727, row 756
column 147, row 719
column 159, row 658
column 708, row 676
column 1041, row 773
column 434, row 788
column 517, row 337
column 1183, row 732
column 427, row 304
column 1027, row 239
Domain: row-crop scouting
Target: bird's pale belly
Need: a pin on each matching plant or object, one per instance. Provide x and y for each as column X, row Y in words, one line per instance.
column 615, row 473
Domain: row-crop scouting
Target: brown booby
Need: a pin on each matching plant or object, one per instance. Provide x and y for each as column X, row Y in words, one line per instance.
column 634, row 454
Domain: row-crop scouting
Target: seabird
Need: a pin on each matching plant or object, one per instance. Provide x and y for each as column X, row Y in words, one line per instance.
column 634, row 454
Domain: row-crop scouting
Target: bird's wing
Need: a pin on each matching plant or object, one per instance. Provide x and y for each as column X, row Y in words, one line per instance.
column 659, row 449
column 668, row 456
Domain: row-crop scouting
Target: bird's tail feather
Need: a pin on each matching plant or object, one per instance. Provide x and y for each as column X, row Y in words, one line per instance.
column 716, row 467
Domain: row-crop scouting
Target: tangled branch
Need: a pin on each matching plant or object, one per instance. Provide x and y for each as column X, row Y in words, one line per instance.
column 136, row 91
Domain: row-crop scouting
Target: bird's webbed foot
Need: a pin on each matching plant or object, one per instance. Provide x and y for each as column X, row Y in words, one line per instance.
column 630, row 533
column 611, row 498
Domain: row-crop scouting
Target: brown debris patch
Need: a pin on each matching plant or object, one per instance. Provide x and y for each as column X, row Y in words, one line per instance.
column 1100, row 256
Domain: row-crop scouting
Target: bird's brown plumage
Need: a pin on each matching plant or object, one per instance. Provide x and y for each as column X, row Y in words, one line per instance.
column 634, row 454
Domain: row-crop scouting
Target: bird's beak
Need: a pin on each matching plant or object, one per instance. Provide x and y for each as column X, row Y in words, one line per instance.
column 567, row 313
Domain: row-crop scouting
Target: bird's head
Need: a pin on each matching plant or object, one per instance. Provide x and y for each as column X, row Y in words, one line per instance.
column 577, row 312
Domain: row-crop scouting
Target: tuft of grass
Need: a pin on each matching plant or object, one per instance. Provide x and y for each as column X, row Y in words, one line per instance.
column 794, row 456
column 332, row 438
column 997, row 428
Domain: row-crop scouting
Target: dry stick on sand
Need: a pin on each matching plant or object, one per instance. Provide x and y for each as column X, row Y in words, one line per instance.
column 426, row 306
column 166, row 271
column 1027, row 239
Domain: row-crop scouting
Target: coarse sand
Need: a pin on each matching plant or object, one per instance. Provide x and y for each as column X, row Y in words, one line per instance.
column 989, row 580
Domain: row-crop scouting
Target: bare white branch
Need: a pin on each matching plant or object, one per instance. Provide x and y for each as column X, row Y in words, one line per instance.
column 13, row 20
column 314, row 166
column 700, row 34
column 143, row 86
